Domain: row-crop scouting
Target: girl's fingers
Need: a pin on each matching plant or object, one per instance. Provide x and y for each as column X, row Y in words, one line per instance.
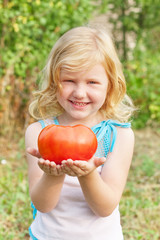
column 50, row 167
column 66, row 167
column 99, row 161
column 81, row 168
column 57, row 169
column 34, row 152
column 83, row 165
column 67, row 170
column 45, row 166
column 69, row 167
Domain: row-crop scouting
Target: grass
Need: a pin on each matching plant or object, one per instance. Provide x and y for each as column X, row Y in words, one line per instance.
column 15, row 212
column 140, row 204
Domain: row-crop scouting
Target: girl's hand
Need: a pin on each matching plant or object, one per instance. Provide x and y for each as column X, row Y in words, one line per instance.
column 81, row 168
column 72, row 168
column 50, row 168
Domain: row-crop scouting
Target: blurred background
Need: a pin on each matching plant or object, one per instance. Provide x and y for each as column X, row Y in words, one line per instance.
column 28, row 30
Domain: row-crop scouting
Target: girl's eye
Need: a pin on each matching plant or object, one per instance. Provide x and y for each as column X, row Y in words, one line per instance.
column 68, row 80
column 92, row 82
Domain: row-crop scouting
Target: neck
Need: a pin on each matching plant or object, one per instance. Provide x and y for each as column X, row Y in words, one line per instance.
column 89, row 122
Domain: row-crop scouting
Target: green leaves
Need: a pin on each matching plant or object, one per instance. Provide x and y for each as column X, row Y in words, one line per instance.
column 136, row 29
column 28, row 26
column 142, row 75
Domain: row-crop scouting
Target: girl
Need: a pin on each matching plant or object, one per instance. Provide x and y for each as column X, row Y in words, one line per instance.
column 83, row 84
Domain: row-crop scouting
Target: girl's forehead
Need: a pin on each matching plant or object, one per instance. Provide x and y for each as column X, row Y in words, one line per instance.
column 80, row 66
column 81, row 61
column 73, row 71
column 69, row 73
column 93, row 71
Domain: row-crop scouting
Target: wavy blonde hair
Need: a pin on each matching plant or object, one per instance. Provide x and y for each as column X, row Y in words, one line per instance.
column 80, row 49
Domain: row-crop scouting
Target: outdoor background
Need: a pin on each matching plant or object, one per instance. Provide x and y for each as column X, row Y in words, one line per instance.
column 28, row 30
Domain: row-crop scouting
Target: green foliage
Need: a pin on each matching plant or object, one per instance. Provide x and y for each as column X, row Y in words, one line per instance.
column 140, row 201
column 143, row 76
column 136, row 28
column 14, row 200
column 30, row 28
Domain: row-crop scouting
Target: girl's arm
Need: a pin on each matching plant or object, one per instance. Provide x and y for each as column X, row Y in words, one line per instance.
column 44, row 188
column 103, row 192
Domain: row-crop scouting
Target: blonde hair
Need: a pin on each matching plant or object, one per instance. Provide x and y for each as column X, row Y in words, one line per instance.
column 80, row 49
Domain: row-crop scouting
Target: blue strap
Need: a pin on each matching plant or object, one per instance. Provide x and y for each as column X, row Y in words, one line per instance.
column 106, row 128
column 42, row 123
column 31, row 234
column 56, row 121
column 34, row 210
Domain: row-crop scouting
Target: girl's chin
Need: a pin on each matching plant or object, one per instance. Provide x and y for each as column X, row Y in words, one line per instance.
column 80, row 116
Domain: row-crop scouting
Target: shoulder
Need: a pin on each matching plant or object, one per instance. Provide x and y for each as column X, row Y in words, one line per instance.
column 33, row 127
column 124, row 144
column 125, row 134
column 32, row 133
column 121, row 156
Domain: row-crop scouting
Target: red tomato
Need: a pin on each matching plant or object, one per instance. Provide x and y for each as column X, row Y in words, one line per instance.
column 57, row 143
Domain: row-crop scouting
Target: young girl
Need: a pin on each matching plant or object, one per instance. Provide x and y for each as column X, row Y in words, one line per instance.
column 83, row 84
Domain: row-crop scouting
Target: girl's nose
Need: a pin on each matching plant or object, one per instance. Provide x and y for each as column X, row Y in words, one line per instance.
column 79, row 92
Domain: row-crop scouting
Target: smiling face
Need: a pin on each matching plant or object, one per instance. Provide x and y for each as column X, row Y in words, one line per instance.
column 82, row 94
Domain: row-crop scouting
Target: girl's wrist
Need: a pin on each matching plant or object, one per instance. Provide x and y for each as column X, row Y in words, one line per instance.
column 87, row 176
column 51, row 177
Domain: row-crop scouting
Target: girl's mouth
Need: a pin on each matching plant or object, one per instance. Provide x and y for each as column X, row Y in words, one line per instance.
column 79, row 104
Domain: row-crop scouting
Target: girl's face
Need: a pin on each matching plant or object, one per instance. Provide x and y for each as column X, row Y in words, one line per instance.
column 82, row 95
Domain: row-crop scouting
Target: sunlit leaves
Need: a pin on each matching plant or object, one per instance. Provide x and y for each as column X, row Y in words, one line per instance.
column 29, row 26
